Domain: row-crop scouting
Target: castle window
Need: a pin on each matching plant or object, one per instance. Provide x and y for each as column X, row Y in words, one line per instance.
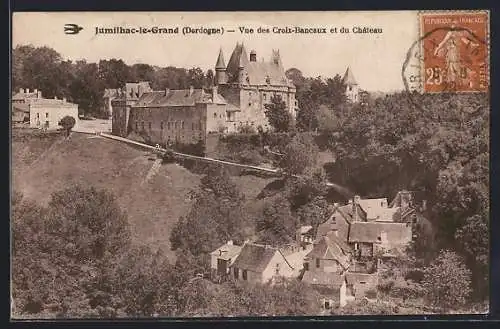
column 350, row 88
column 264, row 95
column 47, row 115
column 249, row 104
column 245, row 275
column 182, row 124
column 142, row 125
column 215, row 115
column 161, row 125
column 136, row 126
column 168, row 125
column 149, row 126
column 318, row 264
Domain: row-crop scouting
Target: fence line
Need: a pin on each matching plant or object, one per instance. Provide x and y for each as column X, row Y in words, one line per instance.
column 189, row 156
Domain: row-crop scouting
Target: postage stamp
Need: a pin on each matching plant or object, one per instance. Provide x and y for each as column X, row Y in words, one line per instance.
column 455, row 49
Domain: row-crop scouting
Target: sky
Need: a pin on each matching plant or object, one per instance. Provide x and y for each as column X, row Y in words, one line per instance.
column 375, row 59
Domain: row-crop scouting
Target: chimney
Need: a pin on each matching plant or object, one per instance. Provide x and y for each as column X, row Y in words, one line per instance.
column 55, row 97
column 27, row 90
column 191, row 91
column 253, row 56
column 214, row 93
column 230, row 242
column 35, row 91
column 355, row 207
column 21, row 90
column 64, row 99
column 39, row 94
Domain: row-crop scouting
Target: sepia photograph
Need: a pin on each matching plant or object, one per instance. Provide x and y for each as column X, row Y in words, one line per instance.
column 181, row 165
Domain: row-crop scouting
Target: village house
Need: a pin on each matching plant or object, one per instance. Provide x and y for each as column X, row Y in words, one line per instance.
column 258, row 263
column 223, row 257
column 351, row 242
column 41, row 112
column 331, row 287
column 329, row 255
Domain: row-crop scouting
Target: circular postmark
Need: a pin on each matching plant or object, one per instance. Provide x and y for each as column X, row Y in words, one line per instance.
column 447, row 59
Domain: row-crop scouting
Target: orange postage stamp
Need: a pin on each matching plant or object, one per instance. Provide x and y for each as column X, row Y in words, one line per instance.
column 455, row 48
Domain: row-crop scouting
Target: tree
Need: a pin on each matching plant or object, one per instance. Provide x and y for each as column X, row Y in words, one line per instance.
column 447, row 281
column 301, row 153
column 277, row 225
column 57, row 266
column 314, row 212
column 277, row 115
column 67, row 122
column 215, row 216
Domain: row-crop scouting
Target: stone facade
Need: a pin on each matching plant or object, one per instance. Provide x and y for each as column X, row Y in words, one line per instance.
column 247, row 85
column 45, row 113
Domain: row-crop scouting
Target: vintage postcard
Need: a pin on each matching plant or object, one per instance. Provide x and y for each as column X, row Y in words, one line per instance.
column 249, row 164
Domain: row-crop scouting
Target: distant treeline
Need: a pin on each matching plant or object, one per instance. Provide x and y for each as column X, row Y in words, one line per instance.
column 83, row 83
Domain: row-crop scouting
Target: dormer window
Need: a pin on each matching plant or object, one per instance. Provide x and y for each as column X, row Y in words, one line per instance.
column 268, row 80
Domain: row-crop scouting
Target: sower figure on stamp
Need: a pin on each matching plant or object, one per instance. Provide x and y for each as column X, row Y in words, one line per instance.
column 456, row 73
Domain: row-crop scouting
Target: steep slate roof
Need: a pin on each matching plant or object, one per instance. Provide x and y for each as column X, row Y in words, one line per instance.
column 255, row 257
column 220, row 61
column 258, row 73
column 181, row 97
column 332, row 280
column 397, row 233
column 348, row 78
column 132, row 88
column 227, row 251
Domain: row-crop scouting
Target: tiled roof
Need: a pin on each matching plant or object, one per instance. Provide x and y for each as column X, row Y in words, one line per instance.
column 255, row 257
column 348, row 78
column 397, row 233
column 331, row 247
column 111, row 92
column 348, row 211
column 227, row 251
column 20, row 96
column 21, row 108
column 355, row 278
column 305, row 229
column 332, row 280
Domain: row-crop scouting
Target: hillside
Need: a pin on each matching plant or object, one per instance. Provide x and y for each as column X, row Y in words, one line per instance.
column 41, row 166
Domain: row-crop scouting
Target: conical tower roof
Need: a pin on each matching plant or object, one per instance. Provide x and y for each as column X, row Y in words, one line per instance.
column 220, row 61
column 348, row 78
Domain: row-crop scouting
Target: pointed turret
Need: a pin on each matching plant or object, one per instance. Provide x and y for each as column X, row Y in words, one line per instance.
column 220, row 69
column 220, row 61
column 352, row 88
column 348, row 79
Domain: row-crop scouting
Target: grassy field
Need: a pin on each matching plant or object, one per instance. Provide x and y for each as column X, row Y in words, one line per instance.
column 41, row 166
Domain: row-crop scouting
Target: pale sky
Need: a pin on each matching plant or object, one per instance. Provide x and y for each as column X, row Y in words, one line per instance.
column 375, row 59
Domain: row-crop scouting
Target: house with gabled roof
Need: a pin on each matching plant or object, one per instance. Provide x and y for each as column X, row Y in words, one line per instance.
column 329, row 254
column 259, row 263
column 332, row 288
column 223, row 257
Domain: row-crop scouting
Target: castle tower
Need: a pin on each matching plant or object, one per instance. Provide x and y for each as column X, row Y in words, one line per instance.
column 275, row 57
column 220, row 70
column 352, row 87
